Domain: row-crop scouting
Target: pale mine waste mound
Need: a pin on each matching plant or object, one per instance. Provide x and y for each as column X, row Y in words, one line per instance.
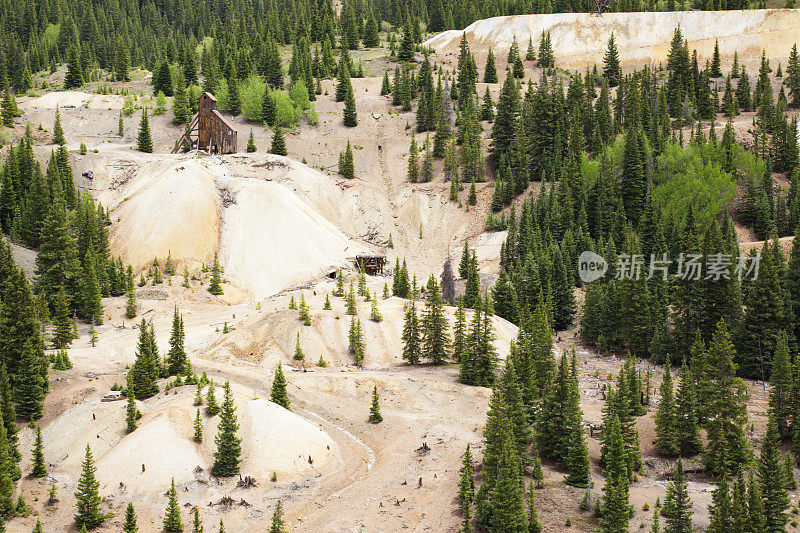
column 275, row 222
column 273, row 440
column 267, row 338
column 580, row 39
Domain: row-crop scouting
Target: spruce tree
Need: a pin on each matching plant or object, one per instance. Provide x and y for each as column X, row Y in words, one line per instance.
column 144, row 143
column 356, row 341
column 666, row 419
column 177, row 361
column 611, row 66
column 490, row 71
column 197, row 523
column 87, row 497
column 251, row 143
column 375, row 409
column 466, row 489
column 8, row 107
column 74, row 76
column 677, row 505
column 688, row 429
column 229, row 446
column 780, row 394
column 772, row 481
column 131, row 411
column 198, row 426
column 278, row 393
column 130, row 520
column 412, row 346
column 615, row 506
column 277, row 520
column 215, row 285
column 212, row 406
column 720, row 510
column 350, row 113
column 58, row 131
column 39, row 466
column 172, row 515
column 435, row 337
column 346, row 166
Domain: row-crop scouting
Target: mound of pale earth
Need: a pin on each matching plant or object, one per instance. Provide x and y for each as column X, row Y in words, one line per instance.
column 269, row 338
column 278, row 440
column 271, row 239
column 268, row 231
column 74, row 99
column 580, row 39
column 157, row 444
column 172, row 208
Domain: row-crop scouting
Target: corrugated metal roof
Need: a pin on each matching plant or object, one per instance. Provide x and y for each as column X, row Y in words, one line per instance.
column 217, row 114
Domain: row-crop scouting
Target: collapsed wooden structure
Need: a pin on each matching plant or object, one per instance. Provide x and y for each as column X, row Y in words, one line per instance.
column 209, row 130
column 372, row 264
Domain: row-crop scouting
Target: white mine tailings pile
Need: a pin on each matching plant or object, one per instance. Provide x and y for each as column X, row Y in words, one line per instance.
column 580, row 39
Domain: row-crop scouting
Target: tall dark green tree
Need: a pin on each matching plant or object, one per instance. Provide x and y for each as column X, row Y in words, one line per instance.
column 229, row 446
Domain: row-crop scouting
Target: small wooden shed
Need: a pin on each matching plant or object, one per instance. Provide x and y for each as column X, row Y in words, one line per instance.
column 372, row 264
column 209, row 130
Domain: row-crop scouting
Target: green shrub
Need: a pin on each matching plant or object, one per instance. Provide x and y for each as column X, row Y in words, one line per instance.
column 251, row 94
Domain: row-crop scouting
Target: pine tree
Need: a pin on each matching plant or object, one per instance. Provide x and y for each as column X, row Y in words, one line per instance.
column 74, row 76
column 229, row 446
column 87, row 497
column 346, row 166
column 356, row 341
column 181, row 112
column 350, row 113
column 131, row 411
column 251, row 143
column 771, row 478
column 677, row 505
column 177, row 361
column 131, row 308
column 8, row 107
column 780, row 401
column 726, row 410
column 62, row 321
column 435, row 338
column 375, row 409
column 144, row 143
column 490, row 71
column 58, row 131
column 172, row 515
column 412, row 345
column 197, row 523
column 413, row 161
column 716, row 71
column 720, row 510
column 212, row 407
column 215, row 285
column 507, row 508
column 278, row 394
column 666, row 419
column 198, row 427
column 130, row 520
column 39, row 467
column 688, row 429
column 616, row 506
column 611, row 66
column 277, row 520
column 466, row 489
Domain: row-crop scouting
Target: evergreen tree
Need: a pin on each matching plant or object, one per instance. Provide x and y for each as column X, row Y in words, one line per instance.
column 177, row 361
column 412, row 345
column 346, row 166
column 229, row 446
column 780, row 394
column 677, row 505
column 87, row 496
column 277, row 520
column 74, row 76
column 131, row 411
column 198, row 427
column 278, row 394
column 716, row 71
column 251, row 143
column 611, row 66
column 130, row 520
column 375, row 409
column 720, row 510
column 726, row 410
column 666, row 420
column 197, row 523
column 212, row 407
column 39, row 466
column 58, row 131
column 8, row 107
column 356, row 341
column 144, row 143
column 688, row 429
column 490, row 71
column 172, row 515
column 772, row 481
column 181, row 111
column 616, row 507
column 350, row 114
column 435, row 338
column 215, row 285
